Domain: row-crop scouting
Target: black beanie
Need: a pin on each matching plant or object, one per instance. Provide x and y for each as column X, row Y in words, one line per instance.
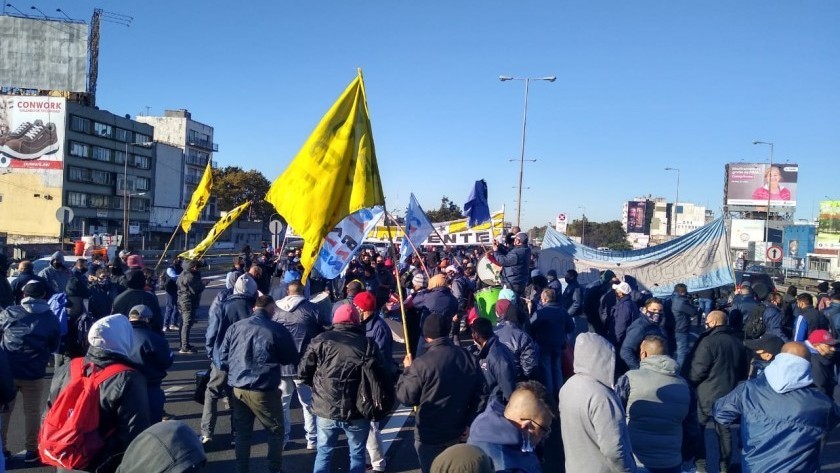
column 433, row 326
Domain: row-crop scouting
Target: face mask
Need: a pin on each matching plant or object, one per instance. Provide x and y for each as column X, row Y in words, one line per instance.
column 82, row 270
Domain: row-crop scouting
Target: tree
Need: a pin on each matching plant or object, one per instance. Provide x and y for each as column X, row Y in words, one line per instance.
column 601, row 235
column 232, row 186
column 448, row 210
column 537, row 232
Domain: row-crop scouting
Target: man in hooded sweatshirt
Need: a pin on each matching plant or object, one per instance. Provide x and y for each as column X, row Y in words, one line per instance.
column 123, row 399
column 30, row 334
column 165, row 447
column 300, row 317
column 150, row 352
column 56, row 274
column 595, row 435
column 135, row 295
column 784, row 418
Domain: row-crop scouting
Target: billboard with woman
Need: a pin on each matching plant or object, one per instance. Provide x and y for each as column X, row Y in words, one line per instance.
column 754, row 184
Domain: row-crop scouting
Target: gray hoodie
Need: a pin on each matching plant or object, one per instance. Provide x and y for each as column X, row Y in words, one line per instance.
column 56, row 278
column 592, row 422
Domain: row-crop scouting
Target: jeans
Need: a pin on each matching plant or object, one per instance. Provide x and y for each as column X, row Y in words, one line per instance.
column 374, row 447
column 288, row 386
column 267, row 407
column 32, row 392
column 552, row 369
column 683, row 340
column 188, row 319
column 172, row 316
column 156, row 401
column 427, row 453
column 217, row 388
column 717, row 442
column 706, row 305
column 357, row 434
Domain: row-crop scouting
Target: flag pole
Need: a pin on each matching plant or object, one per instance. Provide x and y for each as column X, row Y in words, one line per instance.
column 397, row 277
column 171, row 239
column 405, row 238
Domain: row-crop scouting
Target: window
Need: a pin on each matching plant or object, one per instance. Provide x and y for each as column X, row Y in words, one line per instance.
column 139, row 204
column 142, row 162
column 79, row 149
column 141, row 138
column 77, row 199
column 122, row 184
column 119, row 157
column 101, row 129
column 141, row 184
column 197, row 158
column 100, row 177
column 101, row 154
column 123, row 135
column 77, row 174
column 79, row 124
column 99, row 201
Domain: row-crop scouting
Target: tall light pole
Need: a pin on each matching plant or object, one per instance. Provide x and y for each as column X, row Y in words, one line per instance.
column 524, row 122
column 583, row 225
column 677, row 202
column 767, row 215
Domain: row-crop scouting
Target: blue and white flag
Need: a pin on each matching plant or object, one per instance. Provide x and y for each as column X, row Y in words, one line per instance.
column 417, row 228
column 345, row 240
column 476, row 208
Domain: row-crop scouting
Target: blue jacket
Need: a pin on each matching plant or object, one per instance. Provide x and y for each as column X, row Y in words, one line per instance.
column 551, row 327
column 526, row 353
column 832, row 313
column 773, row 320
column 572, row 298
column 623, row 314
column 498, row 366
column 31, row 333
column 300, row 317
column 683, row 310
column 783, row 418
column 224, row 312
column 22, row 279
column 440, row 300
column 378, row 330
column 741, row 307
column 515, row 264
column 636, row 332
column 501, row 441
column 150, row 351
column 807, row 321
column 253, row 351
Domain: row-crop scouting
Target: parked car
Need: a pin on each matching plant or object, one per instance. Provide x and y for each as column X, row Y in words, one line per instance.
column 776, row 274
column 753, row 278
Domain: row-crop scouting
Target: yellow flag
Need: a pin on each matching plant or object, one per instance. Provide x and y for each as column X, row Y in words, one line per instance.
column 214, row 233
column 199, row 199
column 333, row 175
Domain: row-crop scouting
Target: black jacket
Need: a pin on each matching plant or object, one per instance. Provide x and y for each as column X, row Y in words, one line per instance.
column 332, row 365
column 123, row 404
column 446, row 386
column 551, row 327
column 166, row 447
column 102, row 296
column 498, row 366
column 150, row 351
column 132, row 297
column 300, row 317
column 22, row 279
column 30, row 335
column 190, row 288
column 717, row 364
column 683, row 312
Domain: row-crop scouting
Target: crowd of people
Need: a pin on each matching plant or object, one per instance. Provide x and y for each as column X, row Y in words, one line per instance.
column 635, row 382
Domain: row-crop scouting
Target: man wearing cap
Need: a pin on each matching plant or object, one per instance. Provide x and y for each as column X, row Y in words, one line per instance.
column 31, row 333
column 378, row 331
column 252, row 353
column 331, row 365
column 514, row 262
column 301, row 319
column 446, row 387
column 56, row 274
column 150, row 351
column 135, row 294
column 624, row 313
column 784, row 419
column 824, row 362
column 764, row 351
column 190, row 288
column 437, row 299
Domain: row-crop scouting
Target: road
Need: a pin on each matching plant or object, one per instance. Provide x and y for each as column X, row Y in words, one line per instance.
column 398, row 429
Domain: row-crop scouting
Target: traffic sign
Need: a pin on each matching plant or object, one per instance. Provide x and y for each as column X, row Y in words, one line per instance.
column 561, row 218
column 774, row 253
column 64, row 215
column 275, row 227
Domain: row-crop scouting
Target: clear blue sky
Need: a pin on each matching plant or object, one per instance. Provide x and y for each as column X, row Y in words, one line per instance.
column 640, row 86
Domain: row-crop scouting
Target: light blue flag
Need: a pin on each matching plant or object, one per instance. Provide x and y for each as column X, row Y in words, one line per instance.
column 417, row 228
column 345, row 240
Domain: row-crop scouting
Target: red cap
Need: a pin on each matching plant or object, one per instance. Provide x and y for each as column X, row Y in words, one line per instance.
column 389, row 263
column 346, row 314
column 134, row 261
column 365, row 301
column 821, row 336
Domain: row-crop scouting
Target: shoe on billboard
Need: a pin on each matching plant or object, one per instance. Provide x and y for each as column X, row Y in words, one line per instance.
column 16, row 133
column 39, row 140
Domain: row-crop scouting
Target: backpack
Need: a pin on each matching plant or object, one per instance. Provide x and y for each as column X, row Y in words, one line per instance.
column 754, row 326
column 70, row 437
column 377, row 395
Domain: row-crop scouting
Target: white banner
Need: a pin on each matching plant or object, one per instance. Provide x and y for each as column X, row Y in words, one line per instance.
column 344, row 241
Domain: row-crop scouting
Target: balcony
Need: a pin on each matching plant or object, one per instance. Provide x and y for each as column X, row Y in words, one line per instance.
column 204, row 144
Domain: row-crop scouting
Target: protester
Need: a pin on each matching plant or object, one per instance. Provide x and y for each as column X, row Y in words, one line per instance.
column 764, row 318
column 809, row 318
column 446, row 387
column 169, row 278
column 8, row 392
column 552, row 328
column 56, row 274
column 595, row 436
column 824, row 361
column 495, row 360
column 165, row 447
column 572, row 299
column 784, row 418
column 251, row 353
column 7, row 297
column 742, row 304
column 26, row 273
column 190, row 288
column 832, row 313
column 134, row 295
column 526, row 353
column 623, row 313
column 651, row 322
column 509, row 434
column 438, row 299
column 764, row 349
column 150, row 351
column 463, row 458
column 683, row 312
column 514, row 262
column 31, row 334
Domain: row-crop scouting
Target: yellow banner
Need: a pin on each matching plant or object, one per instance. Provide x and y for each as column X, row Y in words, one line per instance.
column 333, row 175
column 199, row 199
column 445, row 229
column 215, row 233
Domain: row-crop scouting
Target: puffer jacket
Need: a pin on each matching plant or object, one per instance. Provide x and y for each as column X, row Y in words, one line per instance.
column 300, row 317
column 784, row 419
column 526, row 353
column 217, row 325
column 253, row 351
column 742, row 305
column 716, row 365
column 439, row 300
column 190, row 288
column 123, row 405
column 514, row 265
column 332, row 365
column 150, row 352
column 31, row 333
column 446, row 386
column 624, row 313
column 498, row 366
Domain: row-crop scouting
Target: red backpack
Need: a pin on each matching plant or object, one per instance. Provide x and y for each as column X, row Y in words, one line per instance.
column 69, row 437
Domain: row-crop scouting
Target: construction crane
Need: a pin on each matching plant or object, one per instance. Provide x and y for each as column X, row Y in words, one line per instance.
column 99, row 15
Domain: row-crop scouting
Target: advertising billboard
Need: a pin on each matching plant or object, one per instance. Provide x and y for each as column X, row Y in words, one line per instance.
column 743, row 231
column 636, row 217
column 797, row 242
column 43, row 54
column 828, row 228
column 31, row 164
column 754, row 184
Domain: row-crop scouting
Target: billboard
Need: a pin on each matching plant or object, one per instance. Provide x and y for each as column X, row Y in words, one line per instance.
column 754, row 184
column 636, row 217
column 31, row 164
column 43, row 54
column 743, row 231
column 797, row 242
column 828, row 228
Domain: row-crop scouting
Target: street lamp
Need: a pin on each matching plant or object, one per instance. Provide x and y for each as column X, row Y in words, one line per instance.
column 126, row 199
column 524, row 122
column 767, row 215
column 583, row 225
column 677, row 202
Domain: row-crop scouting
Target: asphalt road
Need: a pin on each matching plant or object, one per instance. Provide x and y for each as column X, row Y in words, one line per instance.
column 398, row 430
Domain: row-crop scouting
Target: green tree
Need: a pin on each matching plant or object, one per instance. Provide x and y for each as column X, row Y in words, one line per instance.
column 537, row 232
column 234, row 186
column 601, row 235
column 448, row 210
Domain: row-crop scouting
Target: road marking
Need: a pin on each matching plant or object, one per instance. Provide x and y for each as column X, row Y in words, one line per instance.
column 173, row 389
column 394, row 426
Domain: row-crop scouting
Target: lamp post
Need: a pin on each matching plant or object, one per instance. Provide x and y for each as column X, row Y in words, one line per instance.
column 126, row 198
column 524, row 122
column 583, row 225
column 677, row 201
column 767, row 215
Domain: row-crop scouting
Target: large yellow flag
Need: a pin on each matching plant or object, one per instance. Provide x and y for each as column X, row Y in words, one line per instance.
column 199, row 199
column 333, row 175
column 214, row 233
